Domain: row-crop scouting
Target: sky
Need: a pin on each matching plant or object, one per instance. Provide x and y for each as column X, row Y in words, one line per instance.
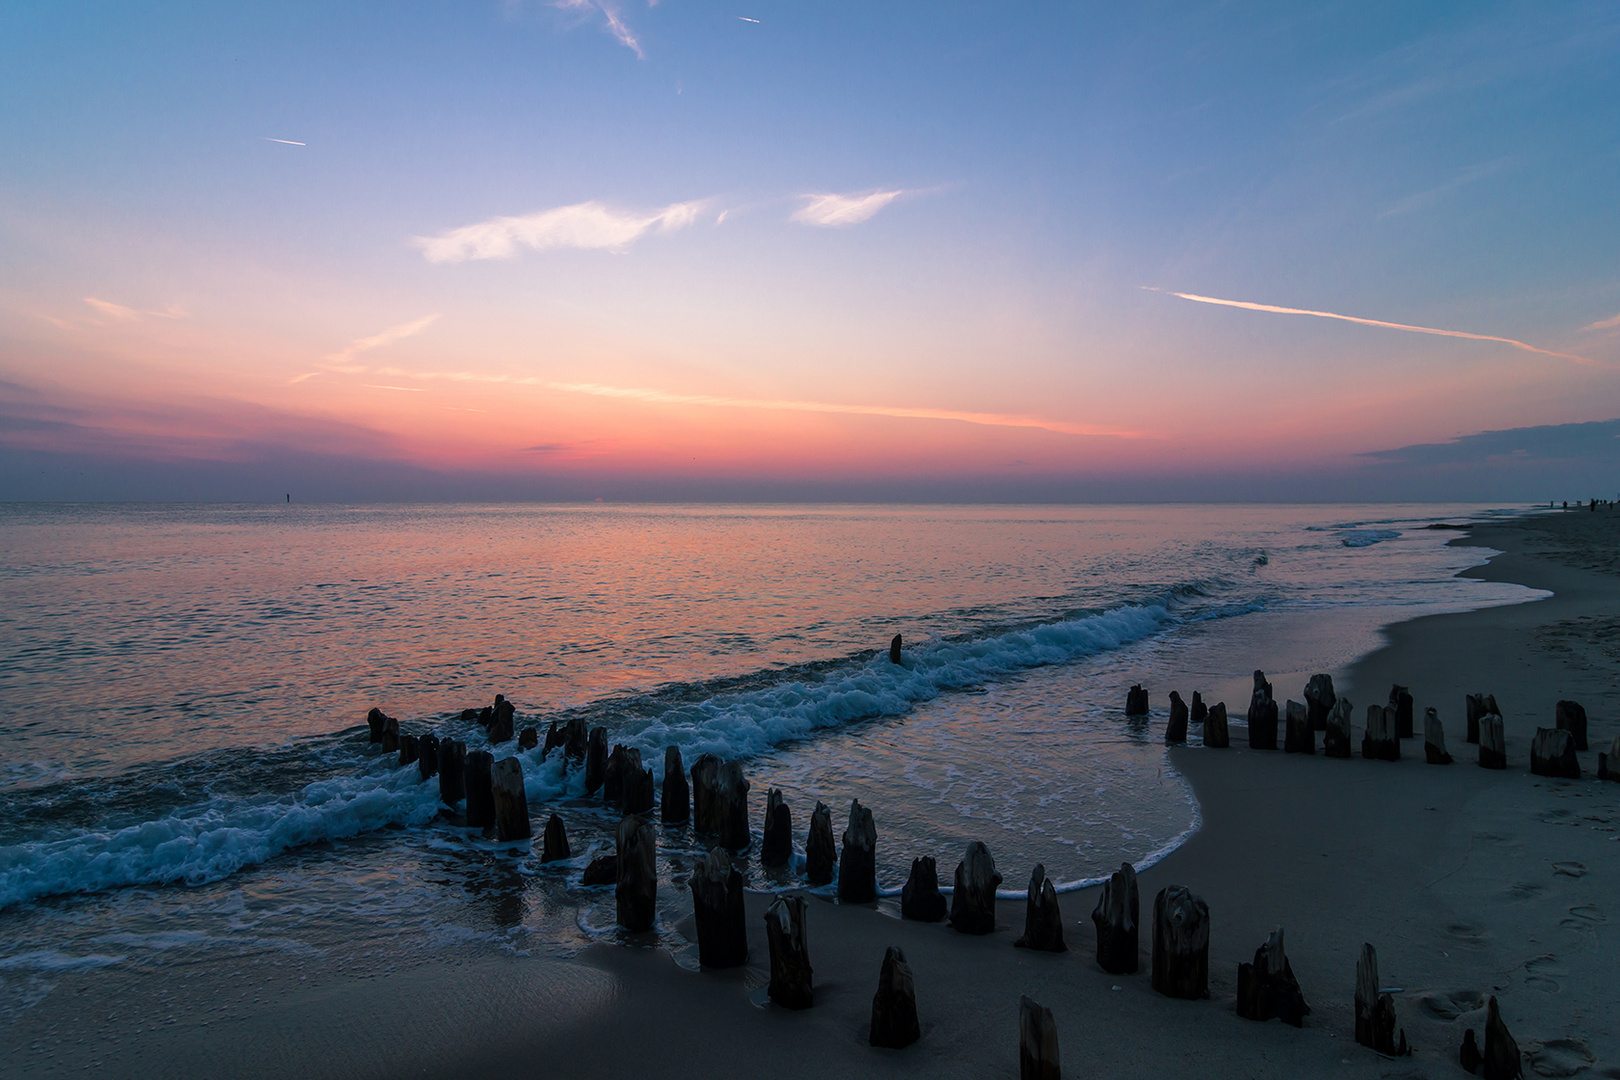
column 584, row 249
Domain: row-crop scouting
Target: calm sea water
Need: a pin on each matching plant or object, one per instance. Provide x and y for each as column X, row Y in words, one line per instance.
column 183, row 692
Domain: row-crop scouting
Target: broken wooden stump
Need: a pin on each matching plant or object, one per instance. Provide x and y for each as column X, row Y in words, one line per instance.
column 921, row 899
column 452, row 771
column 1298, row 735
column 1473, row 709
column 554, row 844
column 1043, row 922
column 1570, row 716
column 596, row 759
column 720, row 801
column 1609, row 763
column 1375, row 1011
column 639, row 790
column 576, row 740
column 1037, row 1042
column 857, row 867
column 790, row 953
column 1116, row 917
column 894, row 650
column 377, row 722
column 676, row 797
column 1136, row 701
column 1215, row 730
column 1379, row 742
column 776, row 845
column 1180, row 943
column 717, row 904
column 476, row 781
column 427, row 756
column 528, row 739
column 511, row 803
column 622, row 762
column 1176, row 730
column 1434, row 738
column 556, row 738
column 1262, row 715
column 602, row 870
column 820, row 853
column 1199, row 712
column 973, row 903
column 390, row 735
column 1492, row 742
column 1267, row 988
column 1469, row 1056
column 1501, row 1058
column 636, row 852
column 1319, row 700
column 500, row 725
column 1552, row 753
column 894, row 1006
column 1400, row 699
column 408, row 750
column 1336, row 737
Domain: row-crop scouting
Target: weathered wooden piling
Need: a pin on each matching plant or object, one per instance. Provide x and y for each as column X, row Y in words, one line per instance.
column 528, row 739
column 790, row 985
column 1434, row 738
column 1379, row 742
column 1176, row 730
column 857, row 866
column 717, row 904
column 820, row 852
column 1199, row 712
column 921, row 899
column 1552, row 753
column 1267, row 988
column 1117, row 916
column 1469, row 1056
column 1215, row 730
column 1298, row 735
column 1037, row 1042
column 576, row 740
column 500, row 725
column 973, row 903
column 1473, row 709
column 1492, row 742
column 554, row 844
column 377, row 722
column 596, row 760
column 636, row 851
column 1570, row 716
column 1400, row 699
column 676, row 806
column 602, row 870
column 511, row 803
column 1375, row 1011
column 1262, row 715
column 452, row 771
column 1136, row 701
column 1609, row 763
column 894, row 650
column 620, row 763
column 1319, row 700
column 427, row 756
column 1501, row 1059
column 1336, row 737
column 776, row 844
column 894, row 1006
column 477, row 775
column 1180, row 943
column 639, row 789
column 556, row 739
column 390, row 735
column 720, row 801
column 408, row 750
column 1043, row 922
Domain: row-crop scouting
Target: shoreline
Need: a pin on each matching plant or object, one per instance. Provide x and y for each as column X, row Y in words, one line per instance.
column 1449, row 871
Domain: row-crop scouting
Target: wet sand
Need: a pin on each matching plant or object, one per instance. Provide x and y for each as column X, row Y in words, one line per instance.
column 1468, row 881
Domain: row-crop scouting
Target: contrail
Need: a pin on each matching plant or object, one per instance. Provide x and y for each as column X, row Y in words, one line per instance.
column 1247, row 305
column 286, row 142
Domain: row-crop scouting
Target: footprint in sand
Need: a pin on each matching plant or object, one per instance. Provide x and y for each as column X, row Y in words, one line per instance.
column 1448, row 1005
column 1526, row 890
column 1540, row 973
column 1570, row 869
column 1584, row 918
column 1560, row 1057
column 1467, row 933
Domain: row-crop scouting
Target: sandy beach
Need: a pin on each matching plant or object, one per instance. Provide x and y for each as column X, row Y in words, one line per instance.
column 1469, row 882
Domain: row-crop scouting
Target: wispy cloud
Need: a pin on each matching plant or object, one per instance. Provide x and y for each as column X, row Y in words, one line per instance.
column 582, row 225
column 284, row 142
column 613, row 21
column 1603, row 324
column 112, row 310
column 835, row 211
column 342, row 360
column 403, row 389
column 1273, row 309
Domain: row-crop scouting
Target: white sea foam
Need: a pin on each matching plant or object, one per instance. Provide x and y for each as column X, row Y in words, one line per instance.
column 1355, row 538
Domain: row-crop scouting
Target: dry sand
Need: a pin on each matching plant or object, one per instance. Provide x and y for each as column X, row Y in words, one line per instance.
column 1468, row 881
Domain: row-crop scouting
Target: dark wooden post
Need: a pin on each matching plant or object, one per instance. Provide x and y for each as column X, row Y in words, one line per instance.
column 857, row 868
column 1037, row 1042
column 921, row 899
column 677, row 802
column 1118, row 914
column 820, row 853
column 776, row 847
column 973, row 903
column 717, row 905
column 894, row 1006
column 790, row 985
column 1043, row 922
column 1180, row 943
column 511, row 803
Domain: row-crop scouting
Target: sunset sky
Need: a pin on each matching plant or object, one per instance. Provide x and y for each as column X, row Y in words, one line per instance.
column 508, row 248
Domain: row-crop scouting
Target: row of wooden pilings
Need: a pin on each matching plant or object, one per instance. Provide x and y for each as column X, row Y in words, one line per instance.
column 1552, row 750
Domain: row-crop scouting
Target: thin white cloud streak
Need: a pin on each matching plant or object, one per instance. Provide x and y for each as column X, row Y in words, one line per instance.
column 284, row 142
column 1604, row 324
column 838, row 211
column 405, row 389
column 745, row 18
column 112, row 310
column 586, row 225
column 387, row 337
column 1273, row 309
column 615, row 24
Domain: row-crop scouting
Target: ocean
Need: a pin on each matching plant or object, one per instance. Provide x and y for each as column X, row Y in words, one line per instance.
column 189, row 790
